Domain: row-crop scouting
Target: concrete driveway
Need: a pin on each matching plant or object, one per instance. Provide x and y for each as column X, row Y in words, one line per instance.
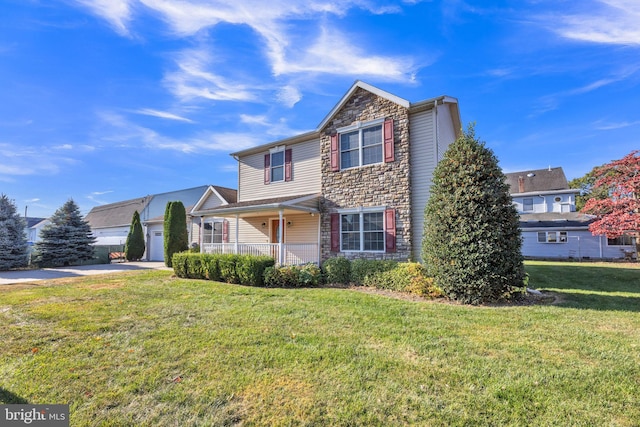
column 24, row 276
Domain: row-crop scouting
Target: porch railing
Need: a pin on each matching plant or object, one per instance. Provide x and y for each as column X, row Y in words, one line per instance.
column 293, row 253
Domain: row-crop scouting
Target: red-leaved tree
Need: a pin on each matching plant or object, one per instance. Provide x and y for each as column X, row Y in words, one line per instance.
column 618, row 214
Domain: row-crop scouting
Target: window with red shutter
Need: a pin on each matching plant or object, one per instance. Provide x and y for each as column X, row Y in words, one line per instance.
column 390, row 230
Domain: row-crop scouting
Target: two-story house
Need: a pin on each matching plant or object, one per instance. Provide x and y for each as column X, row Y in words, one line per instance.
column 550, row 225
column 356, row 186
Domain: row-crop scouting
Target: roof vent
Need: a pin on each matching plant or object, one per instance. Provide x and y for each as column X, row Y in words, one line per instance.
column 531, row 174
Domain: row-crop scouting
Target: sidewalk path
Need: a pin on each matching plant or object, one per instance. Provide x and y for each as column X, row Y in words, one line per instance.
column 24, row 276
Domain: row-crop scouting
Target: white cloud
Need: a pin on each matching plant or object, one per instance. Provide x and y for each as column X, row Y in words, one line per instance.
column 601, row 21
column 600, row 125
column 192, row 79
column 116, row 12
column 162, row 115
column 18, row 160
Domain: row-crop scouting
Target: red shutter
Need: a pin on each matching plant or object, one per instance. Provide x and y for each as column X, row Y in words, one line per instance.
column 390, row 229
column 335, row 232
column 388, row 141
column 225, row 231
column 335, row 165
column 267, row 168
column 287, row 164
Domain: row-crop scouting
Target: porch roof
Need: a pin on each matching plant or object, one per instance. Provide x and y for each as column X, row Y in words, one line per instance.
column 308, row 203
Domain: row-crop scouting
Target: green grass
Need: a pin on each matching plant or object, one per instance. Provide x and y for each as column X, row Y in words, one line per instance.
column 148, row 349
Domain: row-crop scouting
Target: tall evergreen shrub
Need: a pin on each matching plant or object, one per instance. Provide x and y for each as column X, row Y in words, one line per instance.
column 67, row 240
column 13, row 240
column 134, row 247
column 176, row 236
column 472, row 242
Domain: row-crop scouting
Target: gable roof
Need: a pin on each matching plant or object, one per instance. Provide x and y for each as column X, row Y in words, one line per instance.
column 418, row 106
column 225, row 195
column 117, row 214
column 31, row 221
column 537, row 181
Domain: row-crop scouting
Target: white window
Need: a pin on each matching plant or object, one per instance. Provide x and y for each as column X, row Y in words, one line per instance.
column 212, row 232
column 362, row 232
column 361, row 145
column 277, row 166
column 527, row 204
column 552, row 237
column 624, row 240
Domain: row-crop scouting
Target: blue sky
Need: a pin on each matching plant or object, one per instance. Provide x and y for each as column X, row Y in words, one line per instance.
column 108, row 100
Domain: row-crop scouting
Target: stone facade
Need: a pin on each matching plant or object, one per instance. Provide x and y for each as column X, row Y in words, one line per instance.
column 377, row 185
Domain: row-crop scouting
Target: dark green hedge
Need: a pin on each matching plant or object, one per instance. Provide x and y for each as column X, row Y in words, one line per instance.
column 243, row 269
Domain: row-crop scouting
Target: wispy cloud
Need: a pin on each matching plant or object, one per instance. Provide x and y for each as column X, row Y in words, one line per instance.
column 116, row 12
column 19, row 160
column 600, row 21
column 162, row 115
column 193, row 79
column 602, row 125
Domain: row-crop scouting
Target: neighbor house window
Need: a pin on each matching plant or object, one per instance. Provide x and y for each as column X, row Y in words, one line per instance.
column 212, row 232
column 363, row 144
column 552, row 237
column 527, row 204
column 624, row 240
column 362, row 231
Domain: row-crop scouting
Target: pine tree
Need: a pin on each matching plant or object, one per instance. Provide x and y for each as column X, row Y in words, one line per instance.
column 134, row 247
column 176, row 236
column 13, row 240
column 472, row 242
column 66, row 240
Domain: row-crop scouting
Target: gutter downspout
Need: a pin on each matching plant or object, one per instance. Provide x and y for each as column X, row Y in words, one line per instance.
column 435, row 109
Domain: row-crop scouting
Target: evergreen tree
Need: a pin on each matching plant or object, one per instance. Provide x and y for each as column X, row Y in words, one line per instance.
column 67, row 240
column 134, row 247
column 176, row 236
column 472, row 242
column 13, row 240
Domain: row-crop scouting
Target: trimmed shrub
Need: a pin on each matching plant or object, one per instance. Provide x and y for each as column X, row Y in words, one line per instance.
column 282, row 277
column 212, row 266
column 362, row 270
column 227, row 266
column 250, row 269
column 134, row 246
column 407, row 277
column 179, row 264
column 196, row 266
column 310, row 275
column 337, row 270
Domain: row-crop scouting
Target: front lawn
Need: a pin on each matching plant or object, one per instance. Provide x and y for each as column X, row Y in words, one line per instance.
column 144, row 348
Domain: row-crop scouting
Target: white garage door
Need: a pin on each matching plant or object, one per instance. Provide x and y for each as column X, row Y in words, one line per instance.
column 157, row 246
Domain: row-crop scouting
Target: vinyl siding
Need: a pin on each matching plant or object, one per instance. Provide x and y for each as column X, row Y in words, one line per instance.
column 580, row 243
column 305, row 174
column 304, row 229
column 423, row 161
column 211, row 202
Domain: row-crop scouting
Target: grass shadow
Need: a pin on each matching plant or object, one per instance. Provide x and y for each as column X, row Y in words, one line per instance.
column 7, row 397
column 588, row 286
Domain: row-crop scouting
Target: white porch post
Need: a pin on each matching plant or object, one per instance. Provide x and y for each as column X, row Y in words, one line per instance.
column 319, row 239
column 280, row 237
column 200, row 240
column 237, row 232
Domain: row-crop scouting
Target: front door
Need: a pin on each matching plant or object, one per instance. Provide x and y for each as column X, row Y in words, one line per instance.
column 275, row 231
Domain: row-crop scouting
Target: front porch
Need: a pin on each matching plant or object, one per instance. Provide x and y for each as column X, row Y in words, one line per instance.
column 286, row 229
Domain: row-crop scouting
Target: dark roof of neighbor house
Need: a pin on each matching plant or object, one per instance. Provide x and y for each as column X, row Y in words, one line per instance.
column 539, row 180
column 31, row 221
column 556, row 220
column 229, row 194
column 116, row 214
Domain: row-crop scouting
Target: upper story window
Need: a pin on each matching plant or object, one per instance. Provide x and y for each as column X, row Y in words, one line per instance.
column 527, row 204
column 278, row 165
column 362, row 144
column 624, row 240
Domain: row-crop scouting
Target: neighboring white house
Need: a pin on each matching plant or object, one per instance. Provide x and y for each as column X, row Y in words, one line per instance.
column 550, row 225
column 110, row 223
